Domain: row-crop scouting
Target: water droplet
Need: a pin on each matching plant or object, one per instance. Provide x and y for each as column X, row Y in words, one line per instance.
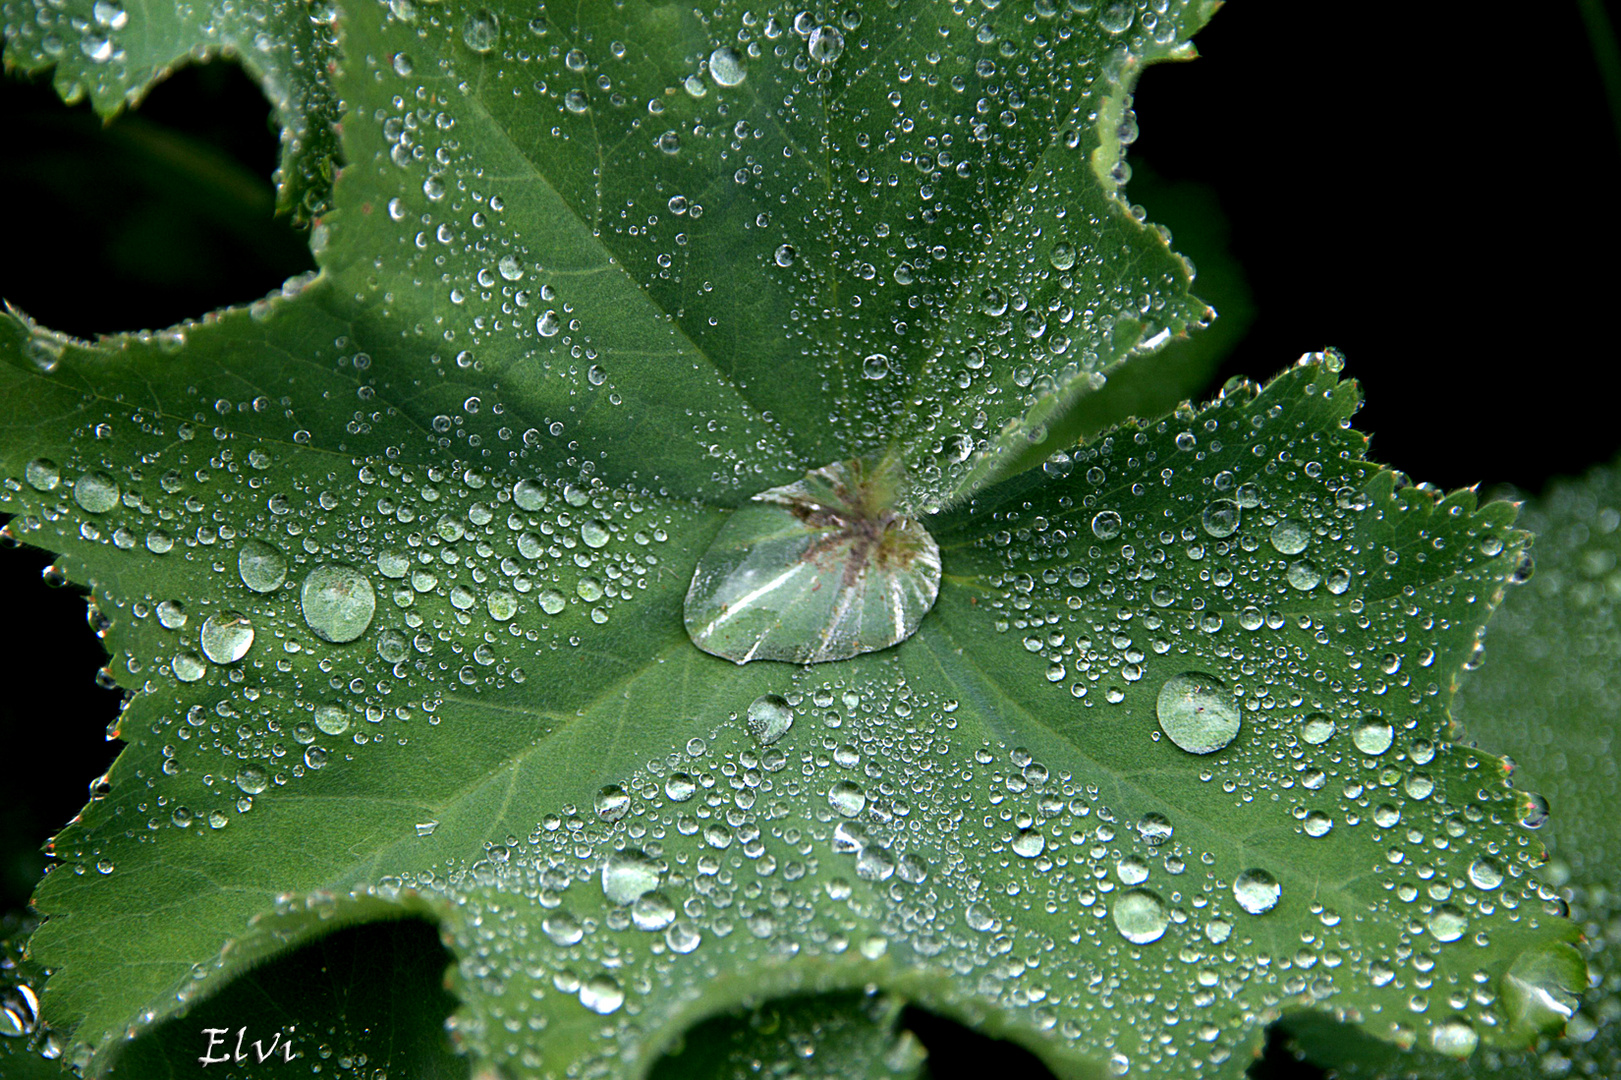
column 252, row 779
column 819, row 570
column 682, row 937
column 1454, row 1038
column 1220, row 518
column 511, row 269
column 548, row 325
column 1447, row 923
column 338, row 602
column 601, row 994
column 1256, row 891
column 1218, row 931
column 1289, row 537
column 595, row 533
column 629, row 874
column 188, row 667
column 1028, row 843
column 769, row 718
column 96, row 492
column 1485, row 874
column 563, row 928
column 1198, row 712
column 785, row 255
column 1372, row 735
column 171, row 614
column 226, row 637
column 481, row 31
column 1154, row 828
column 110, row 15
column 726, row 67
column 552, row 602
column 1317, row 728
column 1106, row 525
column 1541, row 989
column 612, row 803
column 825, row 45
column 652, row 912
column 1063, row 256
column 261, row 567
column 1117, row 17
column 1140, row 916
column 1304, row 575
column 331, row 719
column 42, row 474
column 680, row 787
column 1316, row 823
column 847, row 798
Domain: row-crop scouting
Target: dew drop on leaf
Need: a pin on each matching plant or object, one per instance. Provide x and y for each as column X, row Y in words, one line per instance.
column 42, row 474
column 601, row 994
column 338, row 602
column 1140, row 916
column 261, row 567
column 1372, row 735
column 769, row 718
column 96, row 492
column 628, row 874
column 1256, row 891
column 1198, row 712
column 726, row 66
column 332, row 719
column 1317, row 728
column 226, row 637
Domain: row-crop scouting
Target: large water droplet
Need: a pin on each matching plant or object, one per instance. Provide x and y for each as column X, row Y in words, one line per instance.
column 1220, row 518
column 481, row 31
column 847, row 798
column 1372, row 735
column 601, row 994
column 331, row 719
column 96, row 492
column 1447, row 923
column 1289, row 537
column 823, row 569
column 629, row 874
column 1256, row 891
column 769, row 718
column 261, row 567
column 562, row 927
column 825, row 45
column 1485, row 874
column 226, row 637
column 1541, row 989
column 1028, row 843
column 1454, row 1038
column 1317, row 728
column 42, row 474
column 1198, row 712
column 338, row 602
column 1140, row 916
column 726, row 66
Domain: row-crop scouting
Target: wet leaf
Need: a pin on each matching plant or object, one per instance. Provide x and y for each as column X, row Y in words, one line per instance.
column 396, row 565
column 1544, row 694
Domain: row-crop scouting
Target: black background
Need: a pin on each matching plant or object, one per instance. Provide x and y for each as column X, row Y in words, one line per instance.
column 1430, row 187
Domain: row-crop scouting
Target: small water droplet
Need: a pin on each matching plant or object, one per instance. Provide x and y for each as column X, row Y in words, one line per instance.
column 1289, row 537
column 847, row 798
column 825, row 44
column 1372, row 735
column 96, row 492
column 1106, row 525
column 1317, row 728
column 769, row 718
column 261, row 567
column 601, row 994
column 612, row 803
column 629, row 874
column 42, row 474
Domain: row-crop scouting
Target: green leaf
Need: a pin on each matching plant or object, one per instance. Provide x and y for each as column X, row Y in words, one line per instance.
column 826, row 1037
column 1544, row 694
column 113, row 52
column 394, row 565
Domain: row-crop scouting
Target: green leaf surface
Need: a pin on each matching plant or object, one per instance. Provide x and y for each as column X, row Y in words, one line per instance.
column 826, row 1037
column 1544, row 694
column 393, row 563
column 113, row 52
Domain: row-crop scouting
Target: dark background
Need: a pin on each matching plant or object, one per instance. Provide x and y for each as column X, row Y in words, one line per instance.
column 1430, row 188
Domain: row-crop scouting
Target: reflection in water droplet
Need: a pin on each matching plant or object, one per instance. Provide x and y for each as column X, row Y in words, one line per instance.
column 769, row 718
column 726, row 67
column 1140, row 916
column 1447, row 923
column 1220, row 518
column 1198, row 712
column 1028, row 844
column 601, row 994
column 1485, row 874
column 338, row 602
column 652, row 912
column 171, row 614
column 1454, row 1038
column 1218, row 930
column 42, row 474
column 1289, row 537
column 226, row 637
column 612, row 803
column 680, row 787
column 823, row 569
column 1256, row 891
column 1541, row 989
column 1317, row 728
column 261, row 567
column 1372, row 735
column 96, row 492
column 1106, row 525
column 825, row 45
column 188, row 667
column 562, row 927
column 847, row 798
column 252, row 779
column 682, row 937
column 481, row 31
column 628, row 874
column 331, row 719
